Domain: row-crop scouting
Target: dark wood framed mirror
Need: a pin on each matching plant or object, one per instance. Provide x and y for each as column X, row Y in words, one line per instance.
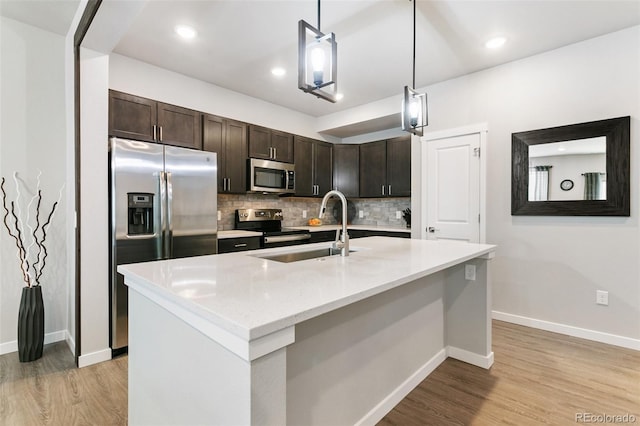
column 594, row 155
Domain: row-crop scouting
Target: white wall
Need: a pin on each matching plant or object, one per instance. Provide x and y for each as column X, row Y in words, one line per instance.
column 33, row 137
column 548, row 269
column 94, row 224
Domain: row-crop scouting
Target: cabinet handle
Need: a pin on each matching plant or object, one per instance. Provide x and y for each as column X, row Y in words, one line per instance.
column 160, row 133
column 382, row 189
column 389, row 192
column 155, row 136
column 224, row 184
column 275, row 153
column 228, row 184
column 240, row 245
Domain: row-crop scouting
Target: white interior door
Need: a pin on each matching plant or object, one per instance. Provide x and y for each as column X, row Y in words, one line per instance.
column 453, row 186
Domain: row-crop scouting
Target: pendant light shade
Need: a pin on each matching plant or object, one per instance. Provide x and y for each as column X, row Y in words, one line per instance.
column 317, row 61
column 414, row 104
column 414, row 111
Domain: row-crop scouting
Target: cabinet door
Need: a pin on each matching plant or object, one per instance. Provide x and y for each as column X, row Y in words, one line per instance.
column 304, row 167
column 236, row 156
column 131, row 117
column 346, row 171
column 259, row 142
column 282, row 144
column 179, row 126
column 323, row 167
column 373, row 169
column 399, row 167
column 213, row 133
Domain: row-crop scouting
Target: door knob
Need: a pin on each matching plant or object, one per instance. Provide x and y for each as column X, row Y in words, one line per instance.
column 432, row 229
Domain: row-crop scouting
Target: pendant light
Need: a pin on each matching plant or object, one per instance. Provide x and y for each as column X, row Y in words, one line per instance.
column 414, row 104
column 317, row 61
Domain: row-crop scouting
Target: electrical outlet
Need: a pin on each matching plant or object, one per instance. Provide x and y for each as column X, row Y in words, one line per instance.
column 602, row 297
column 361, row 214
column 470, row 272
column 304, row 214
column 398, row 214
column 219, row 215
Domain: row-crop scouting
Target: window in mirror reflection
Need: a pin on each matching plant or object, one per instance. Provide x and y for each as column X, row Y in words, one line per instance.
column 582, row 161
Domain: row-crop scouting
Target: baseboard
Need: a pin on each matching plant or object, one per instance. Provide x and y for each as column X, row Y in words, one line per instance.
column 94, row 357
column 470, row 358
column 379, row 411
column 71, row 342
column 583, row 333
column 55, row 336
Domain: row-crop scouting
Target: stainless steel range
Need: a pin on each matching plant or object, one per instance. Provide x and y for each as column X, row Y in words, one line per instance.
column 269, row 222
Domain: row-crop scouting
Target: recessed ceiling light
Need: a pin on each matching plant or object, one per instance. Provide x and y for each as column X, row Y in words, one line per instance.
column 278, row 71
column 185, row 31
column 339, row 96
column 495, row 43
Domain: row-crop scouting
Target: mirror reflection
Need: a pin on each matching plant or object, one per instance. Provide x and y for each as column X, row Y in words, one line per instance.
column 568, row 170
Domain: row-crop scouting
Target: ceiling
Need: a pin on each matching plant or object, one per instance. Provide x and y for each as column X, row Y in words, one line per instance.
column 239, row 41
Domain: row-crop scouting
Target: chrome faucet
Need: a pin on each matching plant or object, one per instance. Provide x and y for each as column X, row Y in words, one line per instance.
column 341, row 242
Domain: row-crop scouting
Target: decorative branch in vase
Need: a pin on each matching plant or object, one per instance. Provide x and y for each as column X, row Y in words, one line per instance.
column 29, row 234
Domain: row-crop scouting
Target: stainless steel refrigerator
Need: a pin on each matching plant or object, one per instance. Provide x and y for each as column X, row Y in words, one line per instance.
column 163, row 205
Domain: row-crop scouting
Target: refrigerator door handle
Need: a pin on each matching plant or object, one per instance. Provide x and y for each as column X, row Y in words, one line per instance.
column 163, row 213
column 169, row 236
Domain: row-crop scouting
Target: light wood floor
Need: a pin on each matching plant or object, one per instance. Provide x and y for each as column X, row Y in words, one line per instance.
column 537, row 378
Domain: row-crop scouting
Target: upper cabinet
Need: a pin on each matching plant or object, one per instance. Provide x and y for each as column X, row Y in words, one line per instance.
column 313, row 160
column 270, row 144
column 346, row 160
column 399, row 166
column 134, row 117
column 228, row 139
column 385, row 168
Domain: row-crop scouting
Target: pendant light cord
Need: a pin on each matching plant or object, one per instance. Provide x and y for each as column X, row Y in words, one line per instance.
column 414, row 38
column 319, row 30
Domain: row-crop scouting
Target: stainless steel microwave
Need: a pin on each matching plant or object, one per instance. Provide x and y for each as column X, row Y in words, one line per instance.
column 271, row 176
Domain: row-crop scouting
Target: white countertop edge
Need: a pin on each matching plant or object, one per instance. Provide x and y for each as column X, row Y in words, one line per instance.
column 235, row 337
column 237, row 233
column 248, row 350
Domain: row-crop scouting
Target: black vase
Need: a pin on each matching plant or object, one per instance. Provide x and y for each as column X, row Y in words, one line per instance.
column 30, row 324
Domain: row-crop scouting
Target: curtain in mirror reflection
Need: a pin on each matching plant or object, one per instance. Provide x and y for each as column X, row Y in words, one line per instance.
column 539, row 183
column 594, row 187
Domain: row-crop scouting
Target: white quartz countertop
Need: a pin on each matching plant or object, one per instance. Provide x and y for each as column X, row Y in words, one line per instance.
column 251, row 297
column 237, row 233
column 360, row 227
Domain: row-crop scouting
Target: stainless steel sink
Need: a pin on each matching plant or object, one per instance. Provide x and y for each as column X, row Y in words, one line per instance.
column 297, row 256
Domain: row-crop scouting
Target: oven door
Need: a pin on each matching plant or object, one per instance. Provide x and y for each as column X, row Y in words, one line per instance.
column 271, row 176
column 271, row 241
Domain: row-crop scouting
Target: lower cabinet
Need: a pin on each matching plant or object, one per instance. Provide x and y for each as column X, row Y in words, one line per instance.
column 230, row 245
column 322, row 236
column 361, row 233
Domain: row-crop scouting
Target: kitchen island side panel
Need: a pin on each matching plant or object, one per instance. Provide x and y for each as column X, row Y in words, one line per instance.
column 346, row 363
column 178, row 376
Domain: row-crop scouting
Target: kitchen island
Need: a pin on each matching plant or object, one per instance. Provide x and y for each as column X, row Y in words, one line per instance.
column 241, row 339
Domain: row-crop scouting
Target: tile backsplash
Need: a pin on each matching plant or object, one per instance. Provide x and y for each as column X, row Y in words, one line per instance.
column 377, row 211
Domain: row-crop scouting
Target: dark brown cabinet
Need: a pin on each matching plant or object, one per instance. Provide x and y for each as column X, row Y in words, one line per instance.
column 346, row 160
column 231, row 245
column 313, row 160
column 228, row 139
column 270, row 144
column 385, row 168
column 399, row 167
column 135, row 117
